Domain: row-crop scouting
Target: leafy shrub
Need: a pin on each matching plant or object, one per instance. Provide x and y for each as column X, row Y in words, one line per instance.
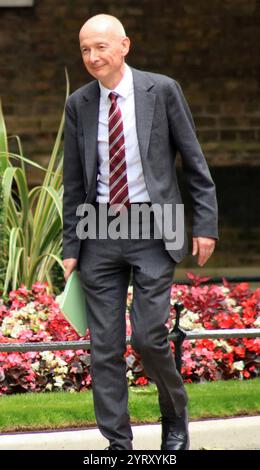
column 33, row 315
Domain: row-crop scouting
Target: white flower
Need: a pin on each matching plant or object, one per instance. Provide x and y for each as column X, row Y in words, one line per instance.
column 29, row 308
column 42, row 315
column 225, row 290
column 61, row 370
column 237, row 309
column 7, row 321
column 6, row 326
column 230, row 302
column 60, row 361
column 47, row 356
column 190, row 321
column 221, row 343
column 58, row 381
column 16, row 330
column 239, row 365
column 129, row 375
column 176, row 299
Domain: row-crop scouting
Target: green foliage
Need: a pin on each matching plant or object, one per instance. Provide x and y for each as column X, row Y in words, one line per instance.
column 2, row 240
column 32, row 218
column 58, row 280
column 54, row 410
column 3, row 231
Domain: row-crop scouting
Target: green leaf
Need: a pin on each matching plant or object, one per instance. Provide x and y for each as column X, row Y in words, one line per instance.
column 3, row 142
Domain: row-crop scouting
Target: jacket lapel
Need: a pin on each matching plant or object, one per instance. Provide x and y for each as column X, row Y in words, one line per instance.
column 89, row 115
column 144, row 110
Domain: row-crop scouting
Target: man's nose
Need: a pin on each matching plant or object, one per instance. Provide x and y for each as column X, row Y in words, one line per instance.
column 93, row 56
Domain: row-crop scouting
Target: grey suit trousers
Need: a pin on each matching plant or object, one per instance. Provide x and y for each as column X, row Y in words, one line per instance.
column 105, row 266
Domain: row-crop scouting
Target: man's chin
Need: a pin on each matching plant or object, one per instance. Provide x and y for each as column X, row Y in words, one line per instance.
column 97, row 73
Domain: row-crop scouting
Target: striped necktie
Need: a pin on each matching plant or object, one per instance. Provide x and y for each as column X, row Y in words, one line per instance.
column 118, row 186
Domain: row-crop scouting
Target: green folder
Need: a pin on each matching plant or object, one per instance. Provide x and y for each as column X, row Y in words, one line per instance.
column 72, row 303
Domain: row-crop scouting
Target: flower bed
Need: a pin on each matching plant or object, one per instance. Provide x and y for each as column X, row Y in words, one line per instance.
column 33, row 315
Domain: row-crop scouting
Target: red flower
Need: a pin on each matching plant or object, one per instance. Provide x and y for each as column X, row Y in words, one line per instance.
column 229, row 358
column 218, row 355
column 246, row 374
column 197, row 280
column 141, row 381
column 252, row 345
column 239, row 351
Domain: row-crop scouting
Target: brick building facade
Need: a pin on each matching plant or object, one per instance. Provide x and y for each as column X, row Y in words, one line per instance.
column 211, row 48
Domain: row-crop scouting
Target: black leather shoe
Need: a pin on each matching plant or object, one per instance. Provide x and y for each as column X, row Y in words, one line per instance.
column 175, row 434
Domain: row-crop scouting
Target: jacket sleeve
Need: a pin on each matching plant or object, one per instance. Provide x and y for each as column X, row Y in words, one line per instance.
column 199, row 181
column 74, row 191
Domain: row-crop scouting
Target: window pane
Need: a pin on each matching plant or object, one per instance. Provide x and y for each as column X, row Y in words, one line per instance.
column 16, row 3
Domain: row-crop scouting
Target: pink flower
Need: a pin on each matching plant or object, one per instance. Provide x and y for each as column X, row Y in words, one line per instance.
column 25, row 335
column 45, row 299
column 17, row 304
column 88, row 380
column 16, row 293
column 40, row 287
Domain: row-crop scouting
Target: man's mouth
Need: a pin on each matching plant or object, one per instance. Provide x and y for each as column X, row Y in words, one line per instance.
column 97, row 67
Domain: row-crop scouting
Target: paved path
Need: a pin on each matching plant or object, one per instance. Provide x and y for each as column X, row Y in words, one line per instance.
column 230, row 434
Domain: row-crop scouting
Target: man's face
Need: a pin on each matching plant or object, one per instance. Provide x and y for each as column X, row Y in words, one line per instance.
column 103, row 54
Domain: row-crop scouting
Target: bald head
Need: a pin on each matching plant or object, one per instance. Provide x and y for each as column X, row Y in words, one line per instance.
column 104, row 45
column 104, row 24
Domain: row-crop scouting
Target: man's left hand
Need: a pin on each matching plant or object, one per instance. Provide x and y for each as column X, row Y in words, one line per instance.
column 203, row 247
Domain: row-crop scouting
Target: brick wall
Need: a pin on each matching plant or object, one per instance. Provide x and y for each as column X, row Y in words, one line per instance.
column 210, row 47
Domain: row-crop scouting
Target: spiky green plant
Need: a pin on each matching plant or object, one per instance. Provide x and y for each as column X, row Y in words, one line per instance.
column 32, row 218
column 3, row 231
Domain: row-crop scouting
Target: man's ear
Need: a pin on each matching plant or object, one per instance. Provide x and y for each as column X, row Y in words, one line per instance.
column 125, row 46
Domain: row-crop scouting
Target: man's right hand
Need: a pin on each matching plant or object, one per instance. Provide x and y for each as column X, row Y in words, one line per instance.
column 69, row 265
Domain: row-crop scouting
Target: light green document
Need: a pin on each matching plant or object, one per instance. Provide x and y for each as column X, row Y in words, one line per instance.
column 72, row 303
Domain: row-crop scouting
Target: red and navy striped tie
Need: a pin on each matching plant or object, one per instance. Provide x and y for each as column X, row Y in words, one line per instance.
column 118, row 186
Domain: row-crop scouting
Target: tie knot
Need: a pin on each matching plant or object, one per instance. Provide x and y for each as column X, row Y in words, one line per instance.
column 113, row 97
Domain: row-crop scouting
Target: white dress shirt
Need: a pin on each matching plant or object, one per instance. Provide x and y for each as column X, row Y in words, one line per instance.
column 135, row 177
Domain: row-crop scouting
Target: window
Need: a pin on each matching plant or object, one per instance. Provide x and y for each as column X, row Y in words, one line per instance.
column 16, row 3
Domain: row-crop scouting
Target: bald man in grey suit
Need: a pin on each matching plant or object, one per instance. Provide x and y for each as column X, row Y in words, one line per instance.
column 155, row 122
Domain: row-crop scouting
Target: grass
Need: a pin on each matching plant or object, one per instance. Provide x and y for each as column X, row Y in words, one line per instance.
column 60, row 410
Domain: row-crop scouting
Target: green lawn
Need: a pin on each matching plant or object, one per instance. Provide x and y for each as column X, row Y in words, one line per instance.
column 66, row 410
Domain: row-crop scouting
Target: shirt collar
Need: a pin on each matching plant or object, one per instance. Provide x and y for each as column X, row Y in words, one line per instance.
column 122, row 89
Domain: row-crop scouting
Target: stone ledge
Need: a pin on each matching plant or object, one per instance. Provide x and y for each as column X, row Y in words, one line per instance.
column 224, row 434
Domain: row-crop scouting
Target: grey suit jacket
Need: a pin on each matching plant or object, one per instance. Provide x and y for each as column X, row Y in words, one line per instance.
column 164, row 126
